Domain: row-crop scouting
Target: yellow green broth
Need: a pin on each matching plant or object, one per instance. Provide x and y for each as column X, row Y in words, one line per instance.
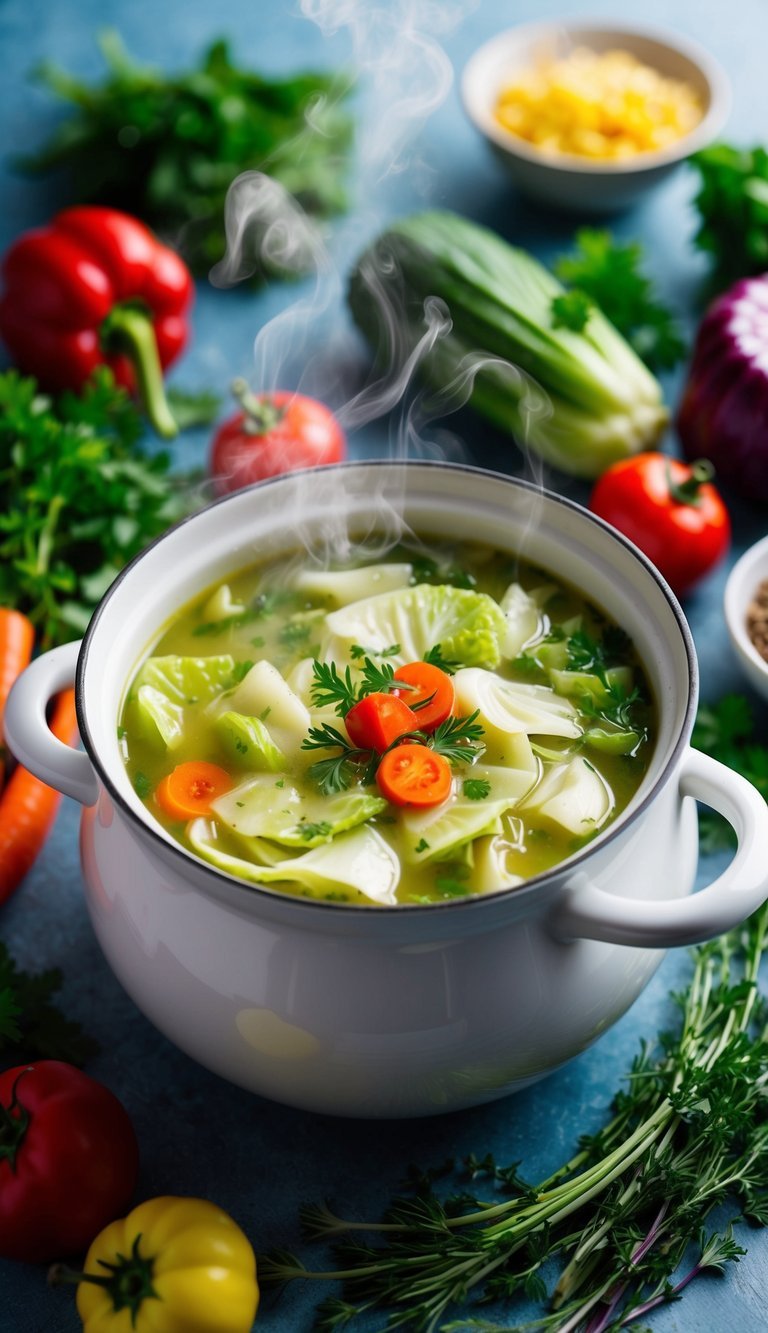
column 279, row 626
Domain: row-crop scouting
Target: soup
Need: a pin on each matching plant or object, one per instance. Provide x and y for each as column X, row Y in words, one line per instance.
column 445, row 722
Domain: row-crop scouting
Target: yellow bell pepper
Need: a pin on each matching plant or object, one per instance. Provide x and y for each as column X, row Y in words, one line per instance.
column 173, row 1265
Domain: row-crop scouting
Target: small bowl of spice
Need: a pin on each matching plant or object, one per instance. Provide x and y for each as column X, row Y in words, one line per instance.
column 746, row 613
column 589, row 117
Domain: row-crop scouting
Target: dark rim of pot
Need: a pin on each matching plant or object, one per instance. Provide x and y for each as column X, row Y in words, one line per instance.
column 183, row 858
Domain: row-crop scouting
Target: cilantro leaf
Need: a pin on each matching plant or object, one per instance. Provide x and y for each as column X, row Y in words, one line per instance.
column 476, row 789
column 610, row 274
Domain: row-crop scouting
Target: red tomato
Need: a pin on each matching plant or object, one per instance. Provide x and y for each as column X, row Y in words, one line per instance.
column 377, row 720
column 68, row 1160
column 426, row 683
column 275, row 432
column 670, row 510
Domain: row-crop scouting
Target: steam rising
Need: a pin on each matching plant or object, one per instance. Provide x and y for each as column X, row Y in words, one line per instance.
column 404, row 75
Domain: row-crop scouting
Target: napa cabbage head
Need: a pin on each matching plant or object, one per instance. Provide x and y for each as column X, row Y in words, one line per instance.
column 469, row 626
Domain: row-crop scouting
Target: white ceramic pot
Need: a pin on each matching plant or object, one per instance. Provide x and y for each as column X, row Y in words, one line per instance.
column 382, row 1011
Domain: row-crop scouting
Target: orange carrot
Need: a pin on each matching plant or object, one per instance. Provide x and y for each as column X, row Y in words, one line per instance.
column 191, row 788
column 28, row 806
column 17, row 637
column 412, row 774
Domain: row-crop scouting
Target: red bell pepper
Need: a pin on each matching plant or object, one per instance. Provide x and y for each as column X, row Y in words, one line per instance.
column 96, row 287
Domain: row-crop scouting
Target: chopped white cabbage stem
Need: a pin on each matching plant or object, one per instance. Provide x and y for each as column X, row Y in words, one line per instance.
column 523, row 620
column 447, row 827
column 469, row 626
column 264, row 694
column 221, row 605
column 492, row 859
column 573, row 795
column 507, row 708
column 360, row 861
column 339, row 587
column 266, row 807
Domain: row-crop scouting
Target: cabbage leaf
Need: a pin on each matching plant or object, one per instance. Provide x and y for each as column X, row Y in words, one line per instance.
column 523, row 619
column 433, row 834
column 573, row 795
column 470, row 627
column 261, row 807
column 248, row 742
column 165, row 686
column 360, row 861
column 508, row 707
column 340, row 587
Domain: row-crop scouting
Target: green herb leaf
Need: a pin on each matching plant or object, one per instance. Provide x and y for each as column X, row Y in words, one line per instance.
column 167, row 146
column 476, row 789
column 31, row 1027
column 571, row 310
column 459, row 739
column 77, row 499
column 142, row 785
column 434, row 655
column 733, row 207
column 610, row 274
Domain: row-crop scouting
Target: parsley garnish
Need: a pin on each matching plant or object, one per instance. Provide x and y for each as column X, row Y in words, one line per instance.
column 422, row 845
column 78, row 499
column 357, row 651
column 142, row 785
column 330, row 689
column 310, row 831
column 240, row 671
column 460, row 739
column 610, row 274
column 434, row 655
column 476, row 789
column 31, row 1027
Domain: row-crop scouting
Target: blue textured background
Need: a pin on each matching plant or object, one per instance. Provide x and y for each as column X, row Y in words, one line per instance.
column 199, row 1135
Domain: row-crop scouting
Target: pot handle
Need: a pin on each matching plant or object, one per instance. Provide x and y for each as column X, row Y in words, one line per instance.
column 587, row 912
column 30, row 738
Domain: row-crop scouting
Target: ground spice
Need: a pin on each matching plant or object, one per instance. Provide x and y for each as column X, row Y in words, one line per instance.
column 757, row 619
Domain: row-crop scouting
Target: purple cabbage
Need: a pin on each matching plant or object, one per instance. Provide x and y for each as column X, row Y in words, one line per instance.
column 724, row 412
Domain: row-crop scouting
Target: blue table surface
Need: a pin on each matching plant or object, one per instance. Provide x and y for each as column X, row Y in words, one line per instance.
column 198, row 1134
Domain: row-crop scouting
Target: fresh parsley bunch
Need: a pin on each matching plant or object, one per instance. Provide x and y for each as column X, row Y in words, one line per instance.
column 78, row 499
column 168, row 146
column 31, row 1027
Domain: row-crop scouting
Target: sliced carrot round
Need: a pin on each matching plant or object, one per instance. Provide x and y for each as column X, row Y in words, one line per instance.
column 412, row 774
column 429, row 692
column 191, row 789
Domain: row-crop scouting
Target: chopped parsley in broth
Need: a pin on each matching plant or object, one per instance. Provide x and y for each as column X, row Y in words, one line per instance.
column 444, row 722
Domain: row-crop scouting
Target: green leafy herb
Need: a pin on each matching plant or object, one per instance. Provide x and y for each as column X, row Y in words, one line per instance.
column 733, row 206
column 330, row 689
column 240, row 671
column 166, row 147
column 476, row 789
column 603, row 271
column 339, row 771
column 571, row 310
column 142, row 785
column 319, row 830
column 77, row 499
column 619, row 1219
column 434, row 655
column 357, row 651
column 422, row 845
column 31, row 1027
column 459, row 739
column 294, row 632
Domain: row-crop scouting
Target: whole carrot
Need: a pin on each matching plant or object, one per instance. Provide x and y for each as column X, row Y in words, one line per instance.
column 28, row 806
column 17, row 637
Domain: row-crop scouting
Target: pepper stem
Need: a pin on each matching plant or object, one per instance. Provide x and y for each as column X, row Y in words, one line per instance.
column 688, row 492
column 128, row 329
column 261, row 415
column 128, row 1281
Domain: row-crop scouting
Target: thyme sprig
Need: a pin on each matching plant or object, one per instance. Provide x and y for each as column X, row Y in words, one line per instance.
column 689, row 1133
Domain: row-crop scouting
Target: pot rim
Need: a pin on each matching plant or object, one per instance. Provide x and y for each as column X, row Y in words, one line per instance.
column 253, row 893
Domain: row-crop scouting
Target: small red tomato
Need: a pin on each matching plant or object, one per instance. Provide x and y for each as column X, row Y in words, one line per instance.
column 670, row 510
column 68, row 1160
column 273, row 433
column 376, row 720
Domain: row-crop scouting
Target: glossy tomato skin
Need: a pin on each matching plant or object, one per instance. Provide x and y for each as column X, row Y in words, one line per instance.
column 684, row 540
column 306, row 435
column 75, row 1165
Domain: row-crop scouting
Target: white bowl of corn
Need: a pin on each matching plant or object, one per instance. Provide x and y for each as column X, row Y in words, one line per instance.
column 589, row 116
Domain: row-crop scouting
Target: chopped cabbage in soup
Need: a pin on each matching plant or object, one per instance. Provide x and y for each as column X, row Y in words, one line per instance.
column 241, row 732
